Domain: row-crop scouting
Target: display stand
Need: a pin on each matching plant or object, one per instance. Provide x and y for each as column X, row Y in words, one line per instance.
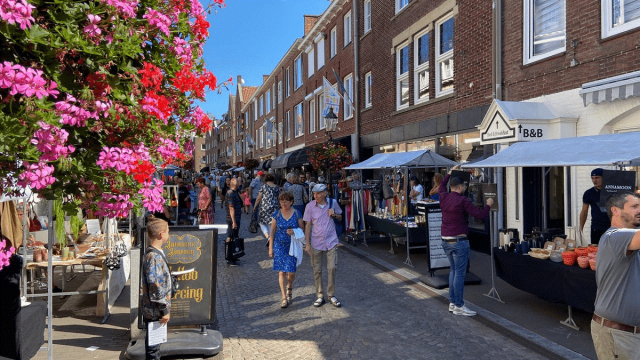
column 493, row 293
column 569, row 321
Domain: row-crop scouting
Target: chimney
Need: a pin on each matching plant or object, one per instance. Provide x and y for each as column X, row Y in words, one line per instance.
column 309, row 21
column 239, row 80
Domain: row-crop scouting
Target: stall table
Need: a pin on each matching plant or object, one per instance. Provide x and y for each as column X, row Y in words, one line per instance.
column 417, row 235
column 551, row 281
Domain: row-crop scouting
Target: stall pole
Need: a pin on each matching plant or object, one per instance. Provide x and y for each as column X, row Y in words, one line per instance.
column 569, row 321
column 106, row 269
column 50, row 281
column 493, row 293
column 406, row 218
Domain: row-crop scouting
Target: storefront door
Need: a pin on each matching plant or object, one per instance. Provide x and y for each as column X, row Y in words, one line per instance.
column 543, row 198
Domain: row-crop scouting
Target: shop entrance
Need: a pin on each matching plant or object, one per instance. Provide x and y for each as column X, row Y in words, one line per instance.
column 543, row 198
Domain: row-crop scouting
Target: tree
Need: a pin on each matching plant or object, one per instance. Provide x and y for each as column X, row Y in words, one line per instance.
column 95, row 94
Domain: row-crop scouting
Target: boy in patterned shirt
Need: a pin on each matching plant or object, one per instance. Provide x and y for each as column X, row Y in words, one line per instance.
column 155, row 287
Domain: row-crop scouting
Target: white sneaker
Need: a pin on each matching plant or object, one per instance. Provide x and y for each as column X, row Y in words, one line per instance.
column 451, row 307
column 463, row 310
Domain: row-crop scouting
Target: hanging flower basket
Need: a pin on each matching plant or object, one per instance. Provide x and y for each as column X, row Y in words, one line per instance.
column 330, row 157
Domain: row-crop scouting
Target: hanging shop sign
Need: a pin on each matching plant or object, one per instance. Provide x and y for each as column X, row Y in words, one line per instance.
column 613, row 182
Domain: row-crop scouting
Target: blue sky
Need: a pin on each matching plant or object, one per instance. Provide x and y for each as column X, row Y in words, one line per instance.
column 248, row 38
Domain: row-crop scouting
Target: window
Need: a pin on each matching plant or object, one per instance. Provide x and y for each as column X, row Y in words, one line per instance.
column 279, row 91
column 268, row 136
column 268, row 103
column 367, row 16
column 255, row 110
column 421, row 67
column 367, row 89
column 297, row 72
column 256, row 143
column 311, row 61
column 619, row 16
column 402, row 76
column 321, row 124
column 444, row 57
column 348, row 87
column 312, row 115
column 320, row 47
column 401, row 4
column 288, row 124
column 347, row 29
column 287, row 81
column 298, row 119
column 334, row 42
column 544, row 29
column 261, row 106
column 203, row 147
column 261, row 138
column 246, row 121
column 280, row 132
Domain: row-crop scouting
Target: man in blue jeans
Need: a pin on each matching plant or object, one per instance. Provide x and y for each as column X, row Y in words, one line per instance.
column 456, row 209
column 254, row 190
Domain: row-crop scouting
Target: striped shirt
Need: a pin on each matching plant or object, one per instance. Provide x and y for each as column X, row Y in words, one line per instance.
column 323, row 229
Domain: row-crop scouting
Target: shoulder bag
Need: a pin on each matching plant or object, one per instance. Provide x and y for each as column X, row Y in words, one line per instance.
column 338, row 223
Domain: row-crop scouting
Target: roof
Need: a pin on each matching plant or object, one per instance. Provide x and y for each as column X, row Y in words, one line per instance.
column 419, row 158
column 247, row 91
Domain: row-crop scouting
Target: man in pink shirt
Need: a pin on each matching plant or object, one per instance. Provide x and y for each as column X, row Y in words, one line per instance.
column 320, row 234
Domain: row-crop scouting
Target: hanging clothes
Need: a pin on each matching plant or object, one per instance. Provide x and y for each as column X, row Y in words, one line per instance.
column 356, row 220
column 10, row 225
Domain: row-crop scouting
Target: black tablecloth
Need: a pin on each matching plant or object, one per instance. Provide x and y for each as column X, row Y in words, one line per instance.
column 554, row 282
column 416, row 235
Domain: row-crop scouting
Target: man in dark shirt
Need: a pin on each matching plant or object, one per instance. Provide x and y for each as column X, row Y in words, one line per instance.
column 599, row 220
column 234, row 206
column 183, row 202
column 456, row 209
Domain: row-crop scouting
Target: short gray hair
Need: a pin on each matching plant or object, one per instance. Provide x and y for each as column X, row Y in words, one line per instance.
column 291, row 176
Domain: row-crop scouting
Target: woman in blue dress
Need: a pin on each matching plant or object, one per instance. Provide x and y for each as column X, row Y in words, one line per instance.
column 284, row 221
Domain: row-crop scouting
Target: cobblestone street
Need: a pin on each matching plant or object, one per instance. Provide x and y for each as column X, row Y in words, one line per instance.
column 381, row 316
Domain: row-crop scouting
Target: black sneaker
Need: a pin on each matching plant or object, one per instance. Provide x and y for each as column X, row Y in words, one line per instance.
column 232, row 263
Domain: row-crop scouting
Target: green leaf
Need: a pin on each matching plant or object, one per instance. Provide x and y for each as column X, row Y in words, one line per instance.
column 38, row 35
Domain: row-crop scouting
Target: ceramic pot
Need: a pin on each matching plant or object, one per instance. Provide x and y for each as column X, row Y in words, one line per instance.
column 592, row 263
column 583, row 261
column 592, row 248
column 556, row 256
column 569, row 257
column 592, row 255
column 582, row 251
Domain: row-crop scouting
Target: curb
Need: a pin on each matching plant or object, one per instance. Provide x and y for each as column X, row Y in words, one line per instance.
column 527, row 338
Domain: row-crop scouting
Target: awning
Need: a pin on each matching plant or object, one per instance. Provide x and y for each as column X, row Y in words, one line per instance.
column 281, row 161
column 241, row 168
column 299, row 158
column 266, row 164
column 617, row 87
column 598, row 150
column 420, row 158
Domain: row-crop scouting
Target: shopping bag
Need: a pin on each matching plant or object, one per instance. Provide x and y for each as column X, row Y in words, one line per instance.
column 253, row 226
column 234, row 249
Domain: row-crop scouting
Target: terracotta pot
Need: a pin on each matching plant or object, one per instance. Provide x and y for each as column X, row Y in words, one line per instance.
column 569, row 257
column 592, row 263
column 582, row 251
column 583, row 261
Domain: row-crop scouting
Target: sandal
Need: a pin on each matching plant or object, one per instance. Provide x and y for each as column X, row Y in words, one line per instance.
column 289, row 294
column 335, row 302
column 284, row 303
column 318, row 302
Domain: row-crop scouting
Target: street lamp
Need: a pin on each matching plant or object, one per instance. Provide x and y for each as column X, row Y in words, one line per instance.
column 331, row 122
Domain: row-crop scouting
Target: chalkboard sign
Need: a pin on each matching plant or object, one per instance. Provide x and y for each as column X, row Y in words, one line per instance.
column 613, row 182
column 490, row 191
column 437, row 257
column 191, row 248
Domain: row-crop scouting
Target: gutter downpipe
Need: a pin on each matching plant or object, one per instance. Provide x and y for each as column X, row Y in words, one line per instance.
column 355, row 140
column 497, row 92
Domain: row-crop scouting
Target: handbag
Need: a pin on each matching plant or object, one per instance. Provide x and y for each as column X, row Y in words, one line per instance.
column 338, row 223
column 34, row 223
column 253, row 226
column 234, row 249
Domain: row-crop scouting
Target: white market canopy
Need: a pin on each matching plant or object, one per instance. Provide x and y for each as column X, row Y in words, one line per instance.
column 419, row 158
column 602, row 150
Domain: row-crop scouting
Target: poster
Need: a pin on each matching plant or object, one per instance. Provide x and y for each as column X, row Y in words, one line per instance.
column 613, row 182
column 192, row 248
column 490, row 191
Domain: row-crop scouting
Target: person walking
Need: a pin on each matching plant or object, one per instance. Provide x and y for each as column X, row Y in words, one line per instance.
column 254, row 191
column 600, row 222
column 615, row 325
column 155, row 286
column 300, row 198
column 223, row 187
column 213, row 187
column 205, row 203
column 321, row 238
column 456, row 209
column 234, row 214
column 282, row 224
column 267, row 203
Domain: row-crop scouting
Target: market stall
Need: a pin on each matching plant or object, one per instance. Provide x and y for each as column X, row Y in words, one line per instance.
column 404, row 162
column 617, row 150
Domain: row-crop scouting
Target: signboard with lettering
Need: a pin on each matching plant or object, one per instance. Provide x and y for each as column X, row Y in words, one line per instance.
column 490, row 191
column 192, row 248
column 437, row 257
column 613, row 182
column 498, row 129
